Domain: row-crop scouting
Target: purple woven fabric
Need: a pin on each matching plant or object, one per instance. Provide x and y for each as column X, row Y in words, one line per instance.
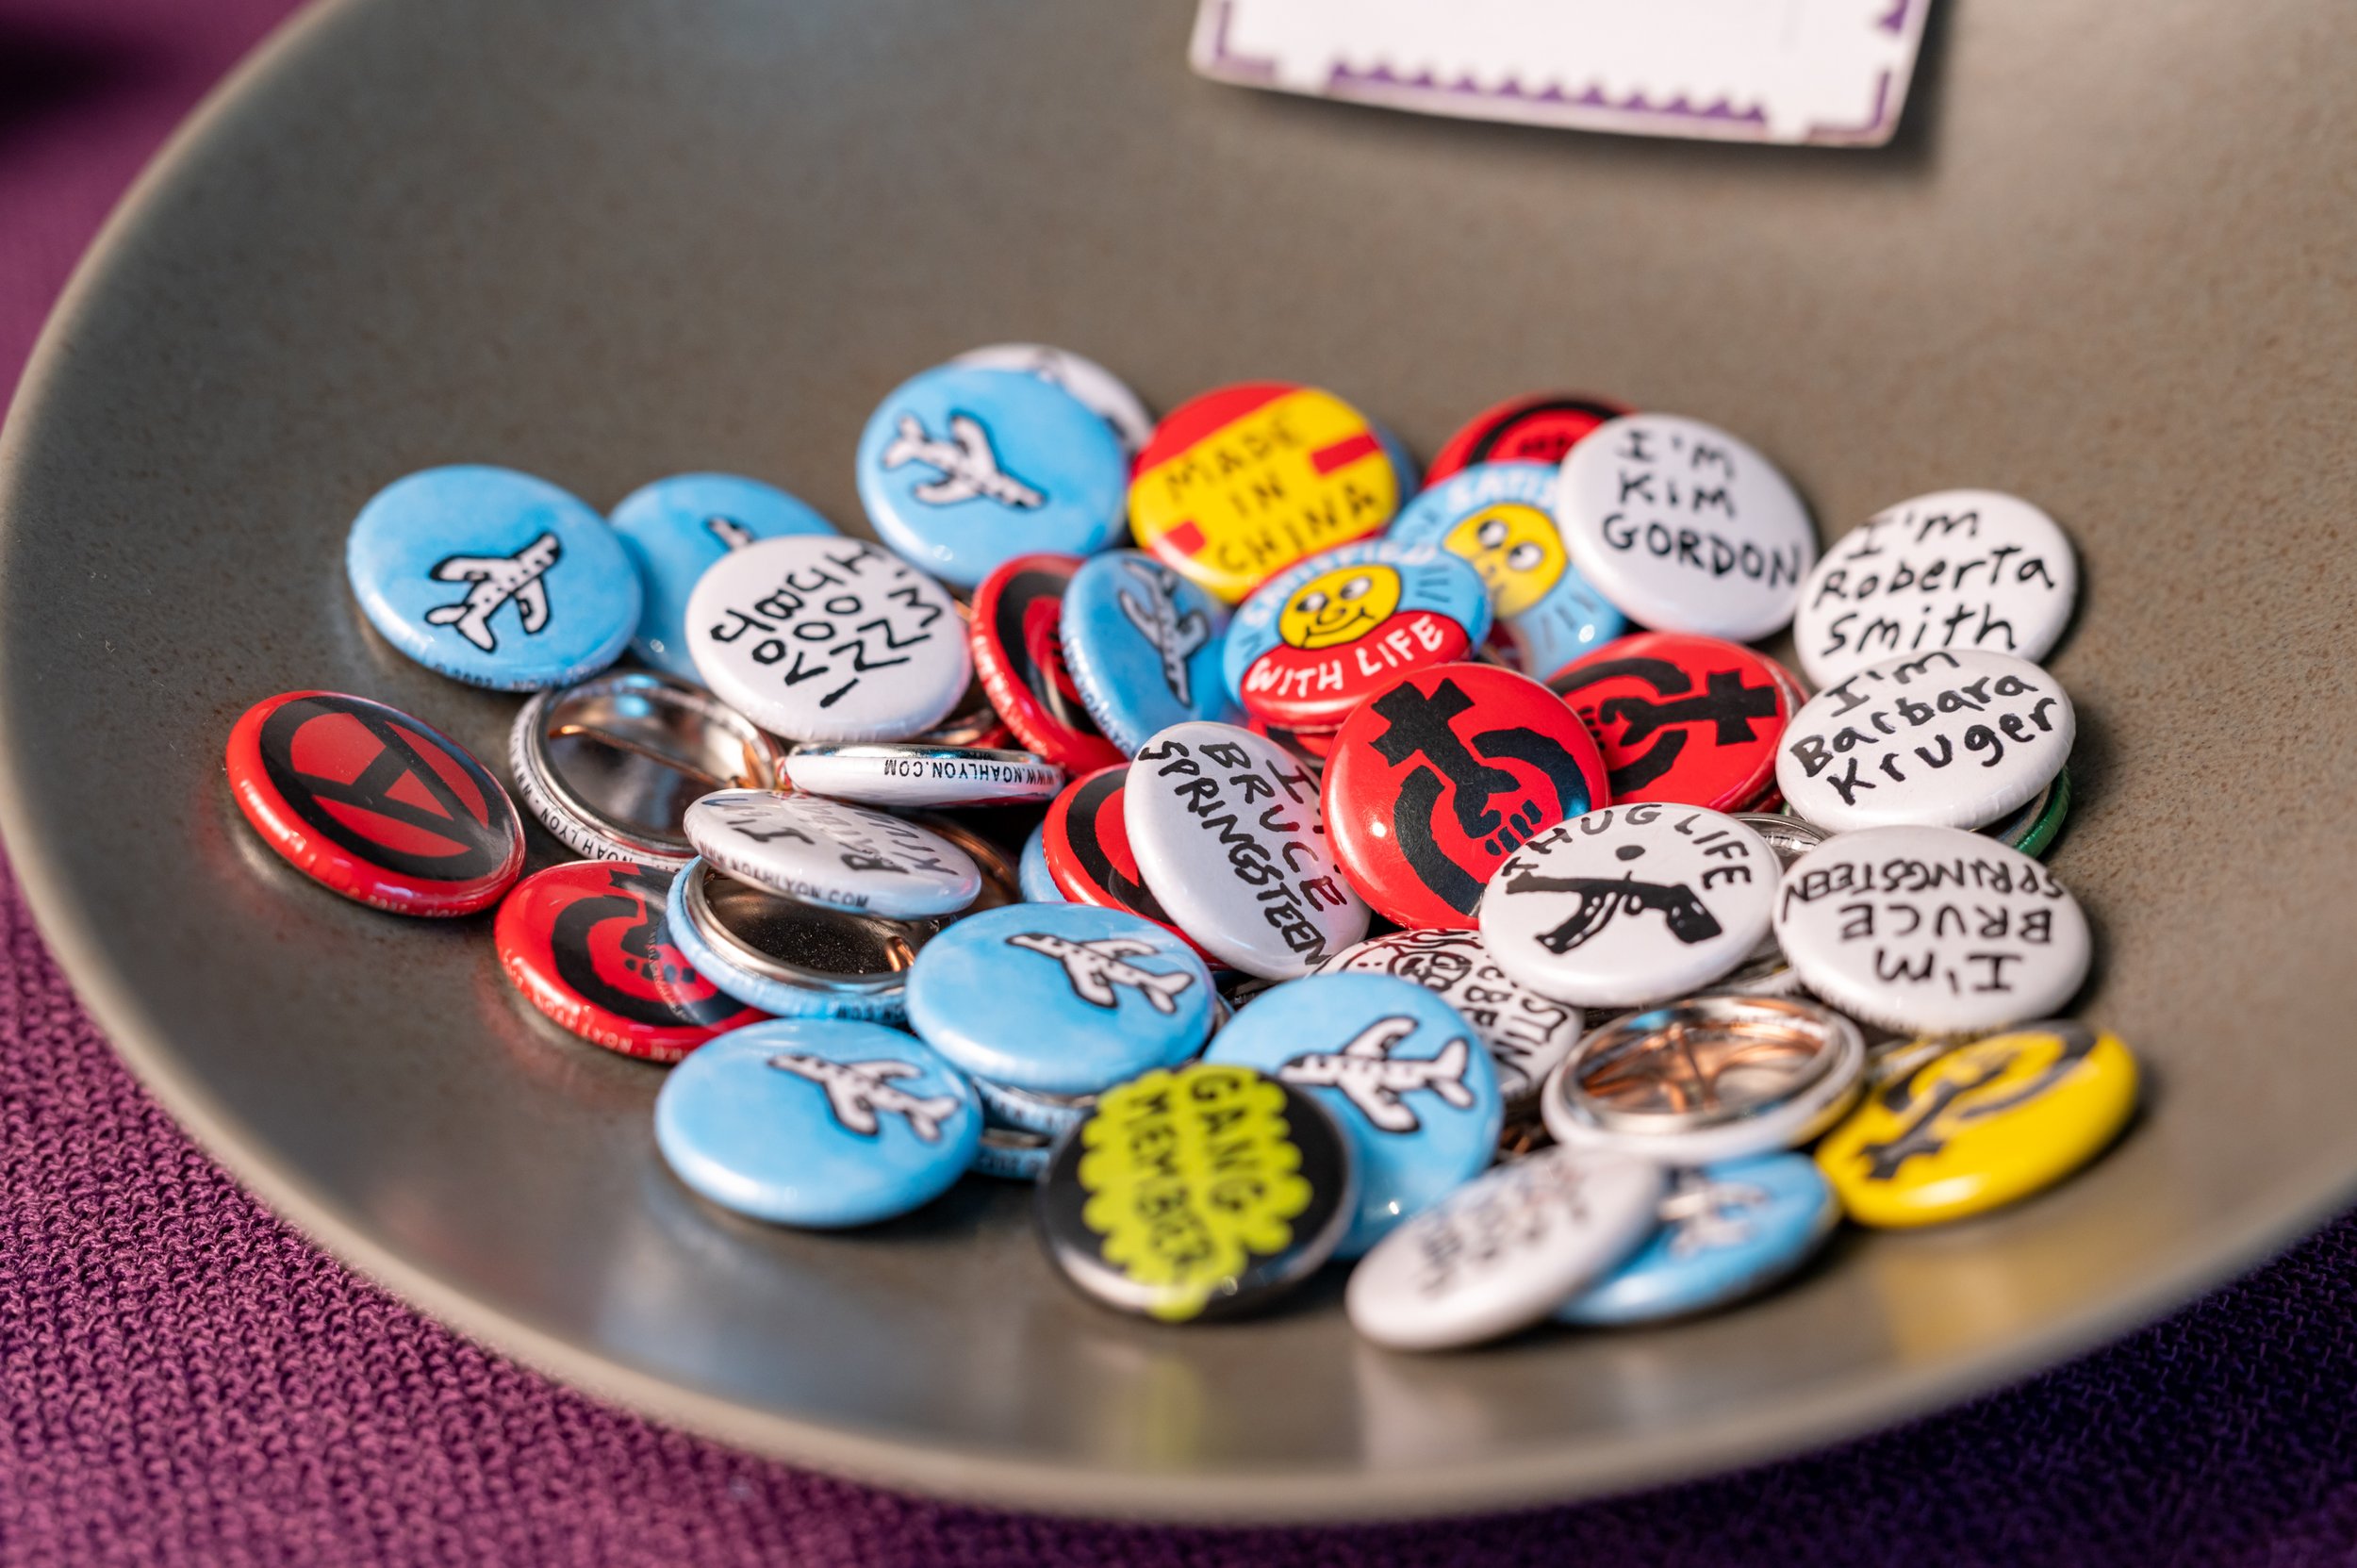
column 185, row 1381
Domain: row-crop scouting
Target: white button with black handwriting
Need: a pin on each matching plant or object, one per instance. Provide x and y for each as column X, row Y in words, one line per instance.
column 1230, row 836
column 817, row 637
column 1956, row 568
column 1506, row 1249
column 1932, row 931
column 1945, row 739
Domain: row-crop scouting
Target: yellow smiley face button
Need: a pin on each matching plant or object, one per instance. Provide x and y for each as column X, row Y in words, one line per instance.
column 1980, row 1126
column 1240, row 483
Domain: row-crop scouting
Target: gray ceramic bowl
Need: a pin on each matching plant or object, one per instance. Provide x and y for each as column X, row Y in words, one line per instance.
column 2106, row 265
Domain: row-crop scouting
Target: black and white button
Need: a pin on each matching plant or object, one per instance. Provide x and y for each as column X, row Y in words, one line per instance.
column 815, row 637
column 906, row 774
column 826, row 853
column 1230, row 836
column 1630, row 905
column 1952, row 570
column 1945, row 739
column 1685, row 528
column 1506, row 1249
column 1932, row 931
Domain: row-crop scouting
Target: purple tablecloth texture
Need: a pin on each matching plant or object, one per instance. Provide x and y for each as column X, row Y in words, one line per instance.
column 183, row 1379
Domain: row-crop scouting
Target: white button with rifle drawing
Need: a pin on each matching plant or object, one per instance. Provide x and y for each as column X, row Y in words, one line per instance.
column 1630, row 905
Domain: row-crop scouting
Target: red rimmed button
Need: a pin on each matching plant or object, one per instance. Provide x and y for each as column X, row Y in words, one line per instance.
column 1687, row 719
column 1434, row 780
column 1086, row 837
column 1540, row 428
column 374, row 804
column 1015, row 632
column 588, row 944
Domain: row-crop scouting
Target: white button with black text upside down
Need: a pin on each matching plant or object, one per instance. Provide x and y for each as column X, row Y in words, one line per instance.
column 1230, row 836
column 1630, row 905
column 1932, row 931
column 826, row 853
column 1506, row 1249
column 1685, row 528
column 817, row 637
column 1957, row 569
column 1946, row 739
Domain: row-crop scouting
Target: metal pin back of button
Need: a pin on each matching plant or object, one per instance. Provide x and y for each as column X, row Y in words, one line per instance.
column 1708, row 1078
column 610, row 765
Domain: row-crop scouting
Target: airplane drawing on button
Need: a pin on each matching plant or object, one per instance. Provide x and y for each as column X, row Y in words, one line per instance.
column 1094, row 968
column 497, row 579
column 732, row 534
column 1375, row 1081
column 968, row 468
column 857, row 1092
column 1175, row 636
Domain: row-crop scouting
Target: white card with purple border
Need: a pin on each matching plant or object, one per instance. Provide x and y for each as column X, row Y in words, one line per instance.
column 1831, row 73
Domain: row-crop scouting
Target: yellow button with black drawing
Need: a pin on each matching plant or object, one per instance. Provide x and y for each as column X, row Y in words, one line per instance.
column 1982, row 1126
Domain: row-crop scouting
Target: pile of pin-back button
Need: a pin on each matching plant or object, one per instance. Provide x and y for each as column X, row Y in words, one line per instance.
column 1653, row 920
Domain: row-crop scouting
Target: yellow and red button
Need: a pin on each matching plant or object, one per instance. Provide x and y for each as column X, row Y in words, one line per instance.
column 1243, row 482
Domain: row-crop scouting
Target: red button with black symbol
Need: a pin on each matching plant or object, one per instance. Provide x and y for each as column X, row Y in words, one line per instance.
column 1434, row 780
column 1015, row 631
column 1687, row 719
column 588, row 945
column 368, row 802
column 1538, row 429
column 1086, row 837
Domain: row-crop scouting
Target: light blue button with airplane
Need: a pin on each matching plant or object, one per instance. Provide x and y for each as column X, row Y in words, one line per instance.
column 1410, row 1085
column 1031, row 875
column 674, row 528
column 1728, row 1232
column 818, row 1122
column 1060, row 998
column 1500, row 518
column 962, row 468
column 492, row 577
column 1142, row 645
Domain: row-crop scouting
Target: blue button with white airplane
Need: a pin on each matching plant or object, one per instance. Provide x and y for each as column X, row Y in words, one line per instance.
column 962, row 470
column 1031, row 875
column 817, row 1122
column 1499, row 517
column 674, row 528
column 1728, row 1232
column 1407, row 1080
column 492, row 577
column 1060, row 998
column 1143, row 646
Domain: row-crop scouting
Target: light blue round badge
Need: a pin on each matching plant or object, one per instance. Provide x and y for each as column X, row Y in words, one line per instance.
column 1060, row 998
column 1031, row 875
column 818, row 1122
column 674, row 528
column 1321, row 636
column 1499, row 517
column 1142, row 645
column 1410, row 1085
column 492, row 577
column 1728, row 1232
column 962, row 470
